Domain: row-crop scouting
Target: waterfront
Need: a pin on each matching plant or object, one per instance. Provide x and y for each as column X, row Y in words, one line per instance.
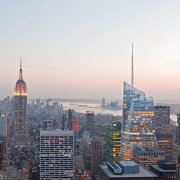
column 82, row 107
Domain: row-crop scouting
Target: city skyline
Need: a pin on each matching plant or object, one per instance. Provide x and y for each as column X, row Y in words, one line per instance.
column 70, row 52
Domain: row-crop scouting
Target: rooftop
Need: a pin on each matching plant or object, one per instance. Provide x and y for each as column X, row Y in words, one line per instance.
column 56, row 132
column 128, row 163
column 163, row 170
column 143, row 172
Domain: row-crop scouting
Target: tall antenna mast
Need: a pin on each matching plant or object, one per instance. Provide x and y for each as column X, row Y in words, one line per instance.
column 132, row 69
column 21, row 63
column 20, row 72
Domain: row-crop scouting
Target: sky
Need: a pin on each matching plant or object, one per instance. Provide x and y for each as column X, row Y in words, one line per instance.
column 82, row 49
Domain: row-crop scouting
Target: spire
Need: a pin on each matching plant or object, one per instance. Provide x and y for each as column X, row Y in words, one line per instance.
column 132, row 69
column 20, row 72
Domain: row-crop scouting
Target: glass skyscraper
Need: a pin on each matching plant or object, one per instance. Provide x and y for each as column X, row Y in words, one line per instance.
column 138, row 121
column 113, row 142
column 129, row 94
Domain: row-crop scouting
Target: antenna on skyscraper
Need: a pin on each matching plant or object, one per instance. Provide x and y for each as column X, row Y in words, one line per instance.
column 20, row 72
column 21, row 62
column 132, row 69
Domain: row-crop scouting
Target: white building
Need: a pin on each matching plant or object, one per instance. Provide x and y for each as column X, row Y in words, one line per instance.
column 56, row 154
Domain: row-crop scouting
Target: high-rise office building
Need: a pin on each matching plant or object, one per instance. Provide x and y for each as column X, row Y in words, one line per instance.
column 3, row 154
column 163, row 129
column 178, row 168
column 3, row 127
column 148, row 155
column 162, row 119
column 165, row 143
column 113, row 142
column 49, row 103
column 103, row 102
column 129, row 93
column 64, row 122
column 166, row 170
column 69, row 119
column 95, row 155
column 138, row 121
column 178, row 130
column 176, row 147
column 56, row 154
column 3, row 140
column 21, row 134
column 75, row 127
column 90, row 120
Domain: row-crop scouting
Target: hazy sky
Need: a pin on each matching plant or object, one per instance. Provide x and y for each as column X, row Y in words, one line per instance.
column 82, row 49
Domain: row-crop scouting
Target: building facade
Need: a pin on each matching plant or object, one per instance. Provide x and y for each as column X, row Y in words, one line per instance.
column 163, row 128
column 166, row 170
column 3, row 127
column 70, row 119
column 129, row 93
column 162, row 119
column 148, row 155
column 138, row 121
column 165, row 143
column 113, row 143
column 21, row 133
column 95, row 155
column 56, row 154
column 3, row 141
column 90, row 121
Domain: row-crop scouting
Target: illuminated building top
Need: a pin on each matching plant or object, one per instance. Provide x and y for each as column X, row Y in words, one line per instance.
column 20, row 89
column 138, row 120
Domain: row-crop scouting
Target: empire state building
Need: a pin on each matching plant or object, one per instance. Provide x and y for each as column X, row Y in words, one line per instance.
column 21, row 134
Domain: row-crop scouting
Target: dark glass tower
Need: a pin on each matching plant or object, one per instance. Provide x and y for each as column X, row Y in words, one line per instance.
column 21, row 134
column 113, row 143
column 69, row 119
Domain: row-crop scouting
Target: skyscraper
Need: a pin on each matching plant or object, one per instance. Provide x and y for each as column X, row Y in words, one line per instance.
column 176, row 145
column 148, row 155
column 56, row 154
column 2, row 153
column 3, row 127
column 113, row 142
column 64, row 121
column 69, row 119
column 138, row 121
column 178, row 130
column 3, row 140
column 103, row 102
column 90, row 120
column 163, row 129
column 21, row 134
column 95, row 155
column 129, row 94
column 162, row 119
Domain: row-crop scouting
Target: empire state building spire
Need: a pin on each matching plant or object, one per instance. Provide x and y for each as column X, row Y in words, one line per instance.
column 20, row 72
column 21, row 133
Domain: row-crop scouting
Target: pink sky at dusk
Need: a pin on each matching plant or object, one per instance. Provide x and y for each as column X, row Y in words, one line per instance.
column 82, row 49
